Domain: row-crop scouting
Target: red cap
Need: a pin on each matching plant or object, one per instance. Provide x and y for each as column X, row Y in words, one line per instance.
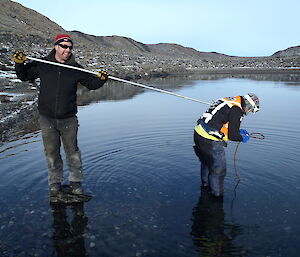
column 62, row 37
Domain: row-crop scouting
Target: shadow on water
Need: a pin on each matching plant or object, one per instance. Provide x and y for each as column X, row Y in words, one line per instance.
column 212, row 236
column 69, row 225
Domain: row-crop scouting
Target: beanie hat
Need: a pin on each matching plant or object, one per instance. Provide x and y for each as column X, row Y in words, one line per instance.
column 62, row 38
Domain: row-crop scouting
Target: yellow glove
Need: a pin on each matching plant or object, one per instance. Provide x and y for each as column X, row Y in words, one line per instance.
column 19, row 57
column 103, row 75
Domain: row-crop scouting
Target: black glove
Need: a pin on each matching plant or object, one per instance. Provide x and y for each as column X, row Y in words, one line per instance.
column 19, row 57
column 102, row 75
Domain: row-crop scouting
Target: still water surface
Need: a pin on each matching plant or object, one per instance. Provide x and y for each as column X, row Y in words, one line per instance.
column 141, row 168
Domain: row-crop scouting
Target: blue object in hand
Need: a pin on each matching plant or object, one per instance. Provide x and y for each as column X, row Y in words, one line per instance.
column 245, row 135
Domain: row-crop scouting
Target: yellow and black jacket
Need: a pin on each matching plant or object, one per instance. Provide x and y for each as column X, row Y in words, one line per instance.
column 221, row 122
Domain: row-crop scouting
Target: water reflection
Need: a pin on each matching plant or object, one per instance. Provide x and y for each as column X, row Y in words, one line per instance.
column 287, row 78
column 144, row 197
column 115, row 91
column 68, row 236
column 211, row 235
column 120, row 91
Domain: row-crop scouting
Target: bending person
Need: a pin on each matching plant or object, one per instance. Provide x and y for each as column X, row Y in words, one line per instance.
column 220, row 123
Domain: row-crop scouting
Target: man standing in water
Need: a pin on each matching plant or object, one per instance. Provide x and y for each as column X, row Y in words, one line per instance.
column 57, row 108
column 220, row 123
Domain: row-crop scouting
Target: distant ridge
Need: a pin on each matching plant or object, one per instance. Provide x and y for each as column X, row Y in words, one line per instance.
column 24, row 29
column 178, row 50
column 16, row 18
column 24, row 24
column 291, row 51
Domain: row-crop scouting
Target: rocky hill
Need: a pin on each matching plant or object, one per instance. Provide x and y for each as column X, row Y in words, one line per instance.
column 18, row 23
column 26, row 29
column 291, row 51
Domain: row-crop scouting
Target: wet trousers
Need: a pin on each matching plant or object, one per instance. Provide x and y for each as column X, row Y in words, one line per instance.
column 213, row 163
column 55, row 132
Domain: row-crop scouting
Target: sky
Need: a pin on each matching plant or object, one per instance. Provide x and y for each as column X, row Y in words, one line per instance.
column 233, row 27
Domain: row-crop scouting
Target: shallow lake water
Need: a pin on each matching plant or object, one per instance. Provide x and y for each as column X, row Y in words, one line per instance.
column 140, row 166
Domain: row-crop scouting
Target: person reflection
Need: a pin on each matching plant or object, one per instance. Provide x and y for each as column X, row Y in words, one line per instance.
column 210, row 235
column 68, row 238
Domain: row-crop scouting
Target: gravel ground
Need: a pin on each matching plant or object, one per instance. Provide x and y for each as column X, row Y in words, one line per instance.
column 18, row 108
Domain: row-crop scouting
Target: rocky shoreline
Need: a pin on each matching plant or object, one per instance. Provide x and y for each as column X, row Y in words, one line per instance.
column 24, row 29
column 18, row 111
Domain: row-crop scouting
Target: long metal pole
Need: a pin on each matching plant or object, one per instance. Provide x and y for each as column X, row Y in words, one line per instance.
column 118, row 79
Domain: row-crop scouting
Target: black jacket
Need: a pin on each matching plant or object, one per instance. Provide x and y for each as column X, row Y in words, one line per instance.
column 57, row 97
column 226, row 114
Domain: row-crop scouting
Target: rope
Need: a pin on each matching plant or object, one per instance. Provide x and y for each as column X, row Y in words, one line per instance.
column 254, row 135
column 118, row 79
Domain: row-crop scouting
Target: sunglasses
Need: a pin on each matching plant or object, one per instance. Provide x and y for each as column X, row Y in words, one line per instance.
column 65, row 46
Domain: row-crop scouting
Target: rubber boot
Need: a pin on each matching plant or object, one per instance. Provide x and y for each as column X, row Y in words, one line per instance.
column 204, row 175
column 76, row 188
column 216, row 183
column 55, row 189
